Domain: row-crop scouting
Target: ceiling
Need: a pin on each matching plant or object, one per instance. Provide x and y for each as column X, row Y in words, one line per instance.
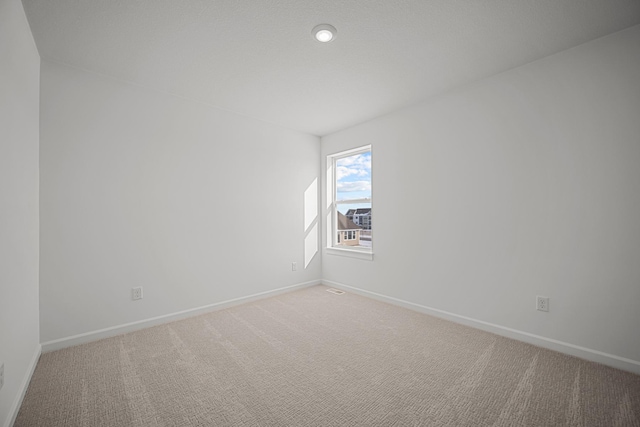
column 258, row 58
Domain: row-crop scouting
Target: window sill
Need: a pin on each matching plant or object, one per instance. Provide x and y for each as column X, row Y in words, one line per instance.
column 351, row 253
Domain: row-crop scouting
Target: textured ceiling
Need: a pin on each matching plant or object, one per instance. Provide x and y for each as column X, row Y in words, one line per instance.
column 258, row 58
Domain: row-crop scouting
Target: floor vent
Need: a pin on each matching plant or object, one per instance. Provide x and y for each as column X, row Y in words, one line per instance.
column 335, row 291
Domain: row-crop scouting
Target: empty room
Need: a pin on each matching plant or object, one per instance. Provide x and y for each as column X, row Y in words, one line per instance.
column 319, row 213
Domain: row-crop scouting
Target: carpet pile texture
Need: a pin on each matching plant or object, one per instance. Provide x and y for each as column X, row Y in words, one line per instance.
column 313, row 358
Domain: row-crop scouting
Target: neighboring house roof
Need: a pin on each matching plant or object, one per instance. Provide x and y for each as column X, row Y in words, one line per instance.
column 359, row 211
column 345, row 223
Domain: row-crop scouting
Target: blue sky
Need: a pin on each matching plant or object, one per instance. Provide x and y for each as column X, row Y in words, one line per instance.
column 353, row 179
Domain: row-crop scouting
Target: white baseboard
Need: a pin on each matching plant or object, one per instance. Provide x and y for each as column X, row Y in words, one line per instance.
column 17, row 403
column 141, row 324
column 540, row 341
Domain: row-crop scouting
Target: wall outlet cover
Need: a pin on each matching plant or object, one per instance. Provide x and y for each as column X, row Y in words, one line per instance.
column 542, row 303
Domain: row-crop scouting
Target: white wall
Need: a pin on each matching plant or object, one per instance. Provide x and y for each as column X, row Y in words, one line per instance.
column 140, row 188
column 526, row 183
column 19, row 94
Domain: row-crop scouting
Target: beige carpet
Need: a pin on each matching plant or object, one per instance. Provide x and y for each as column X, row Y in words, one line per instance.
column 312, row 358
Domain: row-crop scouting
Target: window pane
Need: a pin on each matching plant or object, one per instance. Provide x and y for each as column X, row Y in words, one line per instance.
column 353, row 177
column 360, row 224
column 351, row 192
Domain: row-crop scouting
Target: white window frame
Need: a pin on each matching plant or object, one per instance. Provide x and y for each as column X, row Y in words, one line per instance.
column 332, row 220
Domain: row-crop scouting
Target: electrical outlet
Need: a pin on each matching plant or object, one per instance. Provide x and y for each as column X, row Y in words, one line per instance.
column 294, row 266
column 1, row 374
column 136, row 293
column 542, row 303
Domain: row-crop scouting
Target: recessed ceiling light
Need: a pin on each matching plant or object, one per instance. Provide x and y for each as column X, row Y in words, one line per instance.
column 324, row 32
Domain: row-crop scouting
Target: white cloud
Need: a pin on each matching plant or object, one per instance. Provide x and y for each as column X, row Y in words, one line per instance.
column 347, row 187
column 343, row 172
column 360, row 160
column 358, row 165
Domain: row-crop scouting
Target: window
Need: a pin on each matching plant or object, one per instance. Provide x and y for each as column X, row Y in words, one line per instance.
column 349, row 203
